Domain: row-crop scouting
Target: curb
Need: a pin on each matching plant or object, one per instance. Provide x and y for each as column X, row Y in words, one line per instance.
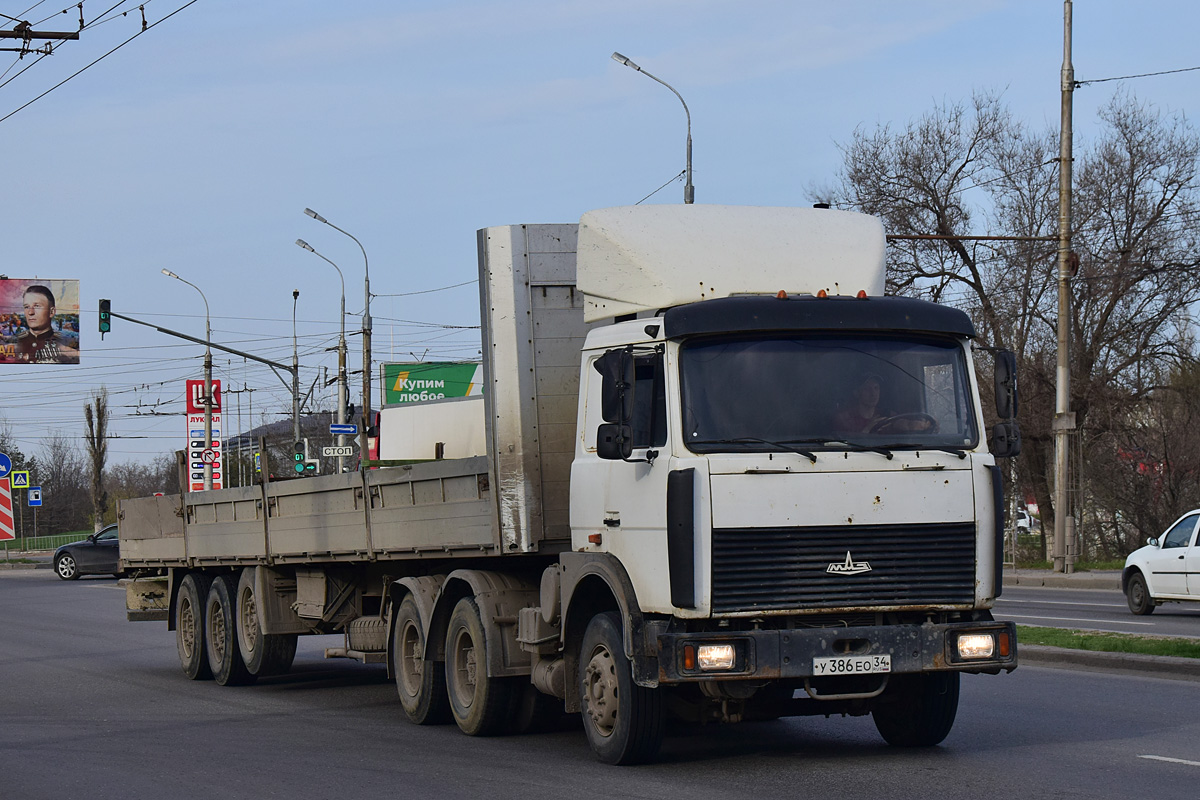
column 1171, row 667
column 39, row 565
column 1066, row 581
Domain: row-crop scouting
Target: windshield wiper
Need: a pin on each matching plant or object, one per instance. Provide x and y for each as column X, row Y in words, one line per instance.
column 859, row 447
column 945, row 448
column 789, row 446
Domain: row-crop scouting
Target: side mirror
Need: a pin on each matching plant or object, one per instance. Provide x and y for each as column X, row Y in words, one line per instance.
column 616, row 368
column 1006, row 384
column 1152, row 541
column 1006, row 440
column 614, row 441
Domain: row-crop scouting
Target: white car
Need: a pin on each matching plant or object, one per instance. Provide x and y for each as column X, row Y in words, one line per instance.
column 1166, row 569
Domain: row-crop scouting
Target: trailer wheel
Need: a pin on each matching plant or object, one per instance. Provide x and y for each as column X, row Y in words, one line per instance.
column 481, row 705
column 623, row 721
column 421, row 684
column 917, row 710
column 228, row 667
column 190, row 626
column 264, row 653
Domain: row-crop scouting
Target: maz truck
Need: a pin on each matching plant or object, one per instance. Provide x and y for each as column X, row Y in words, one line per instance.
column 726, row 478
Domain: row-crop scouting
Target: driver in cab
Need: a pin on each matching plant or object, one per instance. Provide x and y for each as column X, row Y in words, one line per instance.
column 862, row 413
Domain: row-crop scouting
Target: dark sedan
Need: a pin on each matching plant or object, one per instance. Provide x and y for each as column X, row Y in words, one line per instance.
column 95, row 555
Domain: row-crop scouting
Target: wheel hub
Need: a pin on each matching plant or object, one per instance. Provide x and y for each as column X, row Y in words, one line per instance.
column 601, row 691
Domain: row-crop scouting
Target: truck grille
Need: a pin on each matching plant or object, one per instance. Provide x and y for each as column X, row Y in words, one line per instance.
column 765, row 569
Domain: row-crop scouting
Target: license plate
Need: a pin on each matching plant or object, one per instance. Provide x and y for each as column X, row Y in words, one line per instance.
column 852, row 665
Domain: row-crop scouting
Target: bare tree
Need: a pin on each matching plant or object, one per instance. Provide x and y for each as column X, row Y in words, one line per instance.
column 970, row 169
column 96, row 417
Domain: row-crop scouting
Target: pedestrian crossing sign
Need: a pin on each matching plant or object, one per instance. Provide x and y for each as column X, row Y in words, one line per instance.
column 20, row 479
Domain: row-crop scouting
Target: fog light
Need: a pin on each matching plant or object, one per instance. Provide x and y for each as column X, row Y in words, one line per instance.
column 976, row 645
column 715, row 656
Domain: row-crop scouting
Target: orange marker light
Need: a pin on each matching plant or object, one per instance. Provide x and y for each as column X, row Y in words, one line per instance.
column 595, row 538
column 689, row 657
column 1004, row 646
column 822, row 293
column 862, row 294
column 782, row 295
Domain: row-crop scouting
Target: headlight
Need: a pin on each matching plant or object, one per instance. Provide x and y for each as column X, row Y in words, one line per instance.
column 715, row 656
column 976, row 645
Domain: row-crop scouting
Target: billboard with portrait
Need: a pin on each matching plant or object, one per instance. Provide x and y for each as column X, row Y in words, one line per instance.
column 39, row 321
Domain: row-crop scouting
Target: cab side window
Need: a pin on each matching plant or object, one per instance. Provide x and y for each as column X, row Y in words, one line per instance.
column 650, row 402
column 1181, row 534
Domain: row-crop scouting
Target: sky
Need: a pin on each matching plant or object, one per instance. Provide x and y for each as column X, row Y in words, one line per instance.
column 196, row 145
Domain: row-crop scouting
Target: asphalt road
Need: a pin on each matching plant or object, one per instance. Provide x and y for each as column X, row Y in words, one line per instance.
column 95, row 707
column 1094, row 609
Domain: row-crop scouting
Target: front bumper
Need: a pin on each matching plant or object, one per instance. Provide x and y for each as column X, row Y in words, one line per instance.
column 784, row 654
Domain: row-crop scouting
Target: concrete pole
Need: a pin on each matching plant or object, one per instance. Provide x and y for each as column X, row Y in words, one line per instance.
column 1064, row 420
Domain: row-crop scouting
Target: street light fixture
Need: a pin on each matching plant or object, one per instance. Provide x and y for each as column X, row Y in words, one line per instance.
column 689, row 191
column 366, row 334
column 208, row 404
column 342, row 388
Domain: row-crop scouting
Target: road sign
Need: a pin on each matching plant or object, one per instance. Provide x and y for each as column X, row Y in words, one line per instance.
column 209, row 456
column 20, row 478
column 344, row 430
column 7, row 531
column 5, row 465
column 35, row 495
column 337, row 451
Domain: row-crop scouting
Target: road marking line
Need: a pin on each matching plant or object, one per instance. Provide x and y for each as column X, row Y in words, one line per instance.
column 1078, row 619
column 1173, row 760
column 1059, row 603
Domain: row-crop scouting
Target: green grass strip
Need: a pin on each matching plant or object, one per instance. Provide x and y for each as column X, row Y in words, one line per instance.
column 1109, row 642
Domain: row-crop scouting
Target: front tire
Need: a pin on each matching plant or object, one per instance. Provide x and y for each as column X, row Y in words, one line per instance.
column 263, row 653
column 228, row 667
column 480, row 704
column 917, row 710
column 1138, row 595
column 623, row 721
column 421, row 684
column 191, row 626
column 66, row 567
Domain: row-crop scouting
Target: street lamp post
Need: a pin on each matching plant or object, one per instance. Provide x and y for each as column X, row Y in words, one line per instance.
column 208, row 404
column 366, row 334
column 689, row 191
column 342, row 388
column 295, row 372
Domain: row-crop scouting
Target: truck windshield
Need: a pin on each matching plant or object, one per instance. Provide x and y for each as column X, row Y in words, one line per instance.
column 816, row 392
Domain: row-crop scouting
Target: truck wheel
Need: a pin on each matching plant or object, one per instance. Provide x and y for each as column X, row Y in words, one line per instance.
column 623, row 721
column 421, row 684
column 190, row 626
column 1138, row 596
column 228, row 668
column 264, row 653
column 917, row 710
column 481, row 705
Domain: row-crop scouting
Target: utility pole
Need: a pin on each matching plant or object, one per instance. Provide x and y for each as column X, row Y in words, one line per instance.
column 1064, row 418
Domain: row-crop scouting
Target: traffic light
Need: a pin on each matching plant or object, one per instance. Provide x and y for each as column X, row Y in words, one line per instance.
column 298, row 453
column 105, row 318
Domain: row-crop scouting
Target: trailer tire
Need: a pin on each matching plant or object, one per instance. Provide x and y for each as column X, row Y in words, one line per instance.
column 917, row 710
column 624, row 722
column 421, row 684
column 191, row 626
column 228, row 667
column 480, row 704
column 263, row 653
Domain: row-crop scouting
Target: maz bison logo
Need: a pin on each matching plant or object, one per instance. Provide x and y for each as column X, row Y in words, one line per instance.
column 849, row 566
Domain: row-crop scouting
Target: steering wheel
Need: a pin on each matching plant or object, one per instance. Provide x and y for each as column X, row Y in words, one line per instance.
column 885, row 425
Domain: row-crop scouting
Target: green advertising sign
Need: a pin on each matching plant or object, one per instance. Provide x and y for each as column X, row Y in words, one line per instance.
column 424, row 381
